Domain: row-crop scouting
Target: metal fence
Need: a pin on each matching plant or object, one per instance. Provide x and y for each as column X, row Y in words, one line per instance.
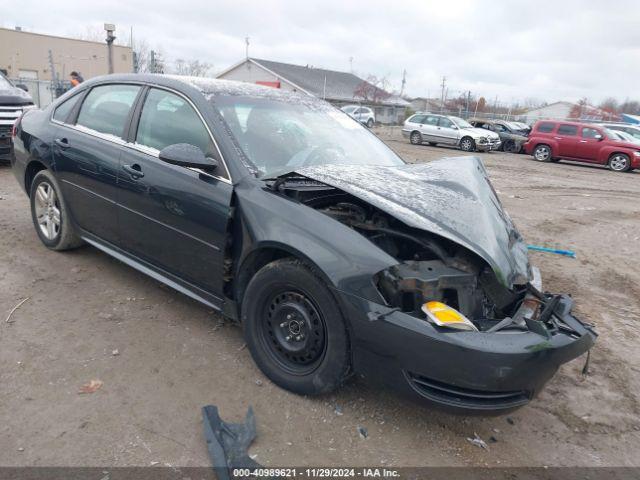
column 43, row 92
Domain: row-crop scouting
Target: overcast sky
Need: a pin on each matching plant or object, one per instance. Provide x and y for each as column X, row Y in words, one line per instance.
column 516, row 49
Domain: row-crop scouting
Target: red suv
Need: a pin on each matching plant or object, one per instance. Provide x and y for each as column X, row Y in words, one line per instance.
column 584, row 142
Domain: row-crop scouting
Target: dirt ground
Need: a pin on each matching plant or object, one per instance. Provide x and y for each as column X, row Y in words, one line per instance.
column 163, row 356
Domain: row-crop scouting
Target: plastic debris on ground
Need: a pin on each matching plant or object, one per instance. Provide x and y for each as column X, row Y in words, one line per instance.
column 477, row 441
column 228, row 443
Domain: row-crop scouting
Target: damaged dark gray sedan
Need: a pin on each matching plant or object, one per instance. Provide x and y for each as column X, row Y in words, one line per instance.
column 287, row 216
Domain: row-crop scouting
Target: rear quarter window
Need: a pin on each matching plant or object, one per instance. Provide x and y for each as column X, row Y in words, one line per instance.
column 545, row 127
column 64, row 109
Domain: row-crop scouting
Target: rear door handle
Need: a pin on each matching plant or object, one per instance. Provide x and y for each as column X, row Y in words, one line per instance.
column 134, row 170
column 63, row 143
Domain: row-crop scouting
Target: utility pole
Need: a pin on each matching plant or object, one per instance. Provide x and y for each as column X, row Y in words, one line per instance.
column 110, row 28
column 246, row 47
column 442, row 86
column 152, row 62
column 468, row 102
column 404, row 81
column 351, row 64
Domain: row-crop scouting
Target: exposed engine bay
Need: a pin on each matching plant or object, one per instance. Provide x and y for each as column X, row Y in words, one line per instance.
column 430, row 269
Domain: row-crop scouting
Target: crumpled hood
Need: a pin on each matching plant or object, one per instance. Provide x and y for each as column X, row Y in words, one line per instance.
column 451, row 197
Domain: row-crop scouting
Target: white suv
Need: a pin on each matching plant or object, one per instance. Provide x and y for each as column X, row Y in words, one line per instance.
column 448, row 130
column 362, row 114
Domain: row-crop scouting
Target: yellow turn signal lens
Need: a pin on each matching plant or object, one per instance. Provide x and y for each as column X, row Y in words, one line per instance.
column 445, row 316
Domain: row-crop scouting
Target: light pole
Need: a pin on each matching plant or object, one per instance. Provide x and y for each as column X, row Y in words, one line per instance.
column 110, row 28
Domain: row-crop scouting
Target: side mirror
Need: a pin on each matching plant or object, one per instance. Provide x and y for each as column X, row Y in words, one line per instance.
column 186, row 155
column 22, row 86
column 454, row 127
column 598, row 137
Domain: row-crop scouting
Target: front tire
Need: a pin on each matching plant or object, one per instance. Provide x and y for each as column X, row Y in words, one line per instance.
column 415, row 138
column 370, row 123
column 467, row 144
column 50, row 214
column 619, row 162
column 294, row 328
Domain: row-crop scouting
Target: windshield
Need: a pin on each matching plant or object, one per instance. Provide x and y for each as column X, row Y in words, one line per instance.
column 348, row 109
column 461, row 123
column 278, row 136
column 4, row 83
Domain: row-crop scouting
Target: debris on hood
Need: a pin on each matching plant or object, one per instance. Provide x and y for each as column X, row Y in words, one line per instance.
column 452, row 198
column 228, row 443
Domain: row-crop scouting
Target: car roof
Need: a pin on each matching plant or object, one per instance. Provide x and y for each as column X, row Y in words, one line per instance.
column 568, row 122
column 207, row 86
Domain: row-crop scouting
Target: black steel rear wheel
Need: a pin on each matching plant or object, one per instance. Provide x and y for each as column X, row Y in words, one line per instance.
column 294, row 328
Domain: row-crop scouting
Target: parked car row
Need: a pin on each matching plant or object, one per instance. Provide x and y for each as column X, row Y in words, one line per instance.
column 449, row 130
column 551, row 141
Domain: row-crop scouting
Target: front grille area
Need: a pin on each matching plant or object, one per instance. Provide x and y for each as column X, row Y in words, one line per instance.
column 465, row 398
column 8, row 116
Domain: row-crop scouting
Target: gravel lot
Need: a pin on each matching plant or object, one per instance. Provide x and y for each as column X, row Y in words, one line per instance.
column 172, row 356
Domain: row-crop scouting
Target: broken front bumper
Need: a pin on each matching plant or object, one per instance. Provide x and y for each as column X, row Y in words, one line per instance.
column 465, row 372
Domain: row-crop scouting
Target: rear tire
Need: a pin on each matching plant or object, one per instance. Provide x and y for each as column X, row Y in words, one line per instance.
column 294, row 328
column 370, row 123
column 467, row 144
column 619, row 162
column 50, row 214
column 415, row 138
column 542, row 153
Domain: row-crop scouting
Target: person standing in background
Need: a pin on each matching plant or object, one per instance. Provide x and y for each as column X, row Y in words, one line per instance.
column 76, row 79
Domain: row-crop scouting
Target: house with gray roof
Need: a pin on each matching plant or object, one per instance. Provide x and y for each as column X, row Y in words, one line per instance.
column 338, row 88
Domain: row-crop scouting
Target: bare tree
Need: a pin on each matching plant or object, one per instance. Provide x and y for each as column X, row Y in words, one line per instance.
column 372, row 89
column 145, row 60
column 610, row 104
column 192, row 68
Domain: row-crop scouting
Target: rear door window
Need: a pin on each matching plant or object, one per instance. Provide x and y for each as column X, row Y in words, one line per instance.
column 431, row 120
column 417, row 119
column 106, row 108
column 567, row 130
column 546, row 127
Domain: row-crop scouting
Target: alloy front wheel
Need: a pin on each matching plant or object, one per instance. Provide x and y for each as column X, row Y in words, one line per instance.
column 467, row 144
column 619, row 162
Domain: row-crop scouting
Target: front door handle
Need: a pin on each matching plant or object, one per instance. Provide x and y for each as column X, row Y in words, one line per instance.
column 134, row 170
column 63, row 143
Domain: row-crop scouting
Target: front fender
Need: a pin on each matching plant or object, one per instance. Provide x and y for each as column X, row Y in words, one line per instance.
column 346, row 259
